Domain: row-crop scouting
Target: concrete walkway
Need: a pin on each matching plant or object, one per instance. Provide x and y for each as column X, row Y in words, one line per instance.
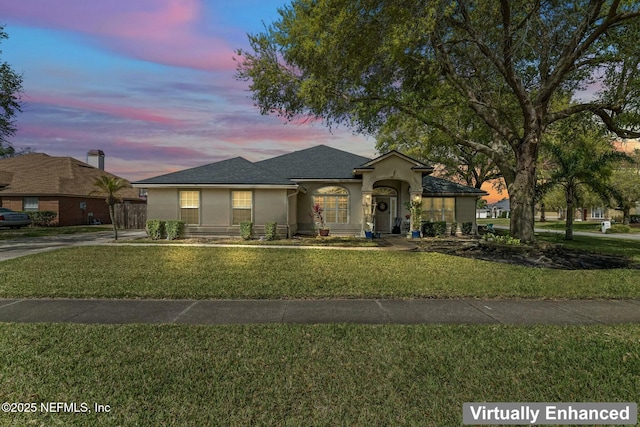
column 356, row 311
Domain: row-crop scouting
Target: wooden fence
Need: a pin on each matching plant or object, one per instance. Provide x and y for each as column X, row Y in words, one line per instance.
column 131, row 215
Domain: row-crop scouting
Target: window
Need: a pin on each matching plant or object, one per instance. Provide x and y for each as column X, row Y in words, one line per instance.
column 190, row 207
column 385, row 191
column 241, row 206
column 30, row 204
column 597, row 213
column 335, row 202
column 439, row 209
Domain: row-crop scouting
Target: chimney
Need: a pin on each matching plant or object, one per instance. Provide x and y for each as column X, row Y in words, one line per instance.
column 95, row 158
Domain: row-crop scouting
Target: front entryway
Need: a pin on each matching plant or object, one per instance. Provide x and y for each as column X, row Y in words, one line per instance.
column 385, row 213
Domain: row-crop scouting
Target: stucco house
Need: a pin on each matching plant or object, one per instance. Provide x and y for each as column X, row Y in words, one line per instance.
column 214, row 199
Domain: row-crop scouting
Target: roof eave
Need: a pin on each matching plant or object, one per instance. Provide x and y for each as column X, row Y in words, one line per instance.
column 450, row 194
column 192, row 185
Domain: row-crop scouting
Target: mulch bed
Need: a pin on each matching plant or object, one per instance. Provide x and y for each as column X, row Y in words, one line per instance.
column 543, row 254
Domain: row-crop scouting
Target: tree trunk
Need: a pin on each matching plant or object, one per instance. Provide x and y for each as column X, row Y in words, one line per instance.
column 626, row 215
column 568, row 235
column 522, row 192
column 543, row 218
column 113, row 220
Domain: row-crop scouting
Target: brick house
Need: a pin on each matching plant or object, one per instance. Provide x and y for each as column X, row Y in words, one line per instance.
column 38, row 182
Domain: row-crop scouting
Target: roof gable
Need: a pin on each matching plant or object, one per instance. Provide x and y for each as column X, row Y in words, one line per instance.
column 416, row 165
column 319, row 162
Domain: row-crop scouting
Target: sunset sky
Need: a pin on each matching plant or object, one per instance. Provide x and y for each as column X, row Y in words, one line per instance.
column 149, row 82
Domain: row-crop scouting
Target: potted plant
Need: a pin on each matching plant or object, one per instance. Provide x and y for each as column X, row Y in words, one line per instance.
column 415, row 209
column 318, row 219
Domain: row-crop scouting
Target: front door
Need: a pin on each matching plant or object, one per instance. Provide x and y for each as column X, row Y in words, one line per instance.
column 385, row 212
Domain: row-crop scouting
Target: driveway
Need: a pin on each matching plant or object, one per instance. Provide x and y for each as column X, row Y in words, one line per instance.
column 15, row 248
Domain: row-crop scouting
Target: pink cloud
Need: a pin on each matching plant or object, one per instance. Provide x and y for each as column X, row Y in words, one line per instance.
column 160, row 31
column 131, row 113
column 127, row 149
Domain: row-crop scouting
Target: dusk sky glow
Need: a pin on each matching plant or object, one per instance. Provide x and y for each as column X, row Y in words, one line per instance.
column 149, row 82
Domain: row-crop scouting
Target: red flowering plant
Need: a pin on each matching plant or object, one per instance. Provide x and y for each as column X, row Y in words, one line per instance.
column 318, row 217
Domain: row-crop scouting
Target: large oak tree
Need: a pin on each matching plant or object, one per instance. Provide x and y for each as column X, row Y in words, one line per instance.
column 10, row 89
column 510, row 63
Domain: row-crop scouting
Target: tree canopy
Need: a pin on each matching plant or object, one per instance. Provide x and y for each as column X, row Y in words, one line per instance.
column 508, row 64
column 626, row 180
column 10, row 90
column 581, row 157
column 457, row 162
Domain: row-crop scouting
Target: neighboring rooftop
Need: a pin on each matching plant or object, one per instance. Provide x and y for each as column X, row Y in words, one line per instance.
column 38, row 174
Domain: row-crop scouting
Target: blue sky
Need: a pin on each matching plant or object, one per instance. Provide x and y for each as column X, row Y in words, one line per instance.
column 149, row 82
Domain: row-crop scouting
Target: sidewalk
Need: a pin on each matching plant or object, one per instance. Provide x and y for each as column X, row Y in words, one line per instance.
column 357, row 311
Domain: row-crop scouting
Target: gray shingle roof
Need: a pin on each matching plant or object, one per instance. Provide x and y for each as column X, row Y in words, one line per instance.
column 319, row 162
column 233, row 171
column 434, row 185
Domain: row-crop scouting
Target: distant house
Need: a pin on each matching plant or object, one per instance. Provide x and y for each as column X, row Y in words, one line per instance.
column 482, row 213
column 38, row 182
column 501, row 209
column 353, row 191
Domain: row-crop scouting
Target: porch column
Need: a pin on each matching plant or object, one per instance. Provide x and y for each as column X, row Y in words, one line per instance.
column 416, row 197
column 367, row 211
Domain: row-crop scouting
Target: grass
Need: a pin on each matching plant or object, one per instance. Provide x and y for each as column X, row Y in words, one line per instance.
column 7, row 233
column 357, row 242
column 218, row 272
column 583, row 226
column 623, row 247
column 307, row 374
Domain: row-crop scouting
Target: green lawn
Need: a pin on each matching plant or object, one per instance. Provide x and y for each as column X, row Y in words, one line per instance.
column 249, row 272
column 307, row 374
column 623, row 247
column 588, row 226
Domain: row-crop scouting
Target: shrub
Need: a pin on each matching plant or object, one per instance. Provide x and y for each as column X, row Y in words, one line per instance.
column 155, row 229
column 42, row 218
column 174, row 229
column 440, row 228
column 467, row 227
column 246, row 230
column 618, row 228
column 428, row 229
column 503, row 240
column 271, row 230
column 634, row 219
column 454, row 228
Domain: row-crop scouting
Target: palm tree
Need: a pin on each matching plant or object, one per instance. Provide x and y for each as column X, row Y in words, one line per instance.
column 110, row 185
column 581, row 165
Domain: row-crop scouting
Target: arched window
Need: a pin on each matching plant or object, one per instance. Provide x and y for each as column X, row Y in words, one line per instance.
column 335, row 202
column 385, row 191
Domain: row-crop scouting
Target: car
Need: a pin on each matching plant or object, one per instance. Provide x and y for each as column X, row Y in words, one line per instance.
column 9, row 218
